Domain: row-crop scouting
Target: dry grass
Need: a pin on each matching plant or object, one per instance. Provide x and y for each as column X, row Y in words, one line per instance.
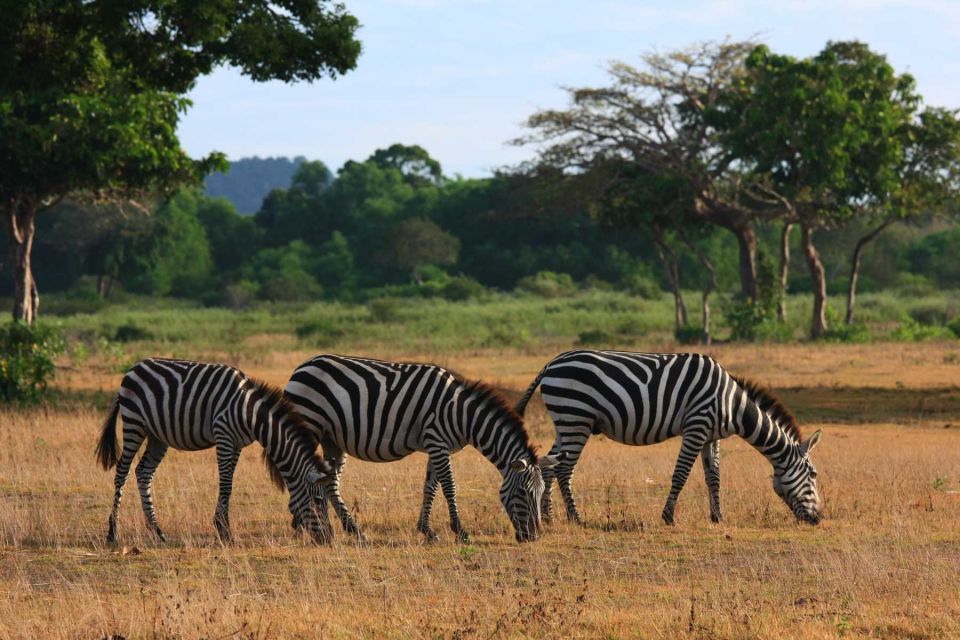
column 883, row 564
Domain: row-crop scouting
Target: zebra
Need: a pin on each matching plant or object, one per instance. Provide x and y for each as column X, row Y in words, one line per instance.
column 644, row 398
column 196, row 405
column 384, row 411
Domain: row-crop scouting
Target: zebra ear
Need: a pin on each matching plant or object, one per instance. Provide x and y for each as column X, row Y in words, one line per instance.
column 520, row 465
column 548, row 462
column 811, row 442
column 314, row 476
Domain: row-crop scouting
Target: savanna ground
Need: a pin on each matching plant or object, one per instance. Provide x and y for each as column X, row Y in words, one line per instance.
column 882, row 564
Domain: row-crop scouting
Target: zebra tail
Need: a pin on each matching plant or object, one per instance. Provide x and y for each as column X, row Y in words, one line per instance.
column 275, row 476
column 106, row 452
column 522, row 405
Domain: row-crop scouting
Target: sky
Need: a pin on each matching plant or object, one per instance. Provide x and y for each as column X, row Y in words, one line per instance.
column 459, row 77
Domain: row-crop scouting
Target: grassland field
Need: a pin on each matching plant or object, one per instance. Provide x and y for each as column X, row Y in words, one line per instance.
column 883, row 564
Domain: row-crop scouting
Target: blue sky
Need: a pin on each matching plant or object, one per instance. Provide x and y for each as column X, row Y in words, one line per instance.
column 459, row 77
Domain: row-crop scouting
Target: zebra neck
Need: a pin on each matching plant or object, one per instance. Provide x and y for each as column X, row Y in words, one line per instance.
column 763, row 432
column 501, row 442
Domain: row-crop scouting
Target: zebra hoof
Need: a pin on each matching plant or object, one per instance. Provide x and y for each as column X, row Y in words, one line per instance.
column 463, row 537
column 668, row 518
column 160, row 536
column 429, row 535
column 716, row 518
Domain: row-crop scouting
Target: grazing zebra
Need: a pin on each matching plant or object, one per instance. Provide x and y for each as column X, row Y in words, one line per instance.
column 384, row 411
column 643, row 398
column 195, row 405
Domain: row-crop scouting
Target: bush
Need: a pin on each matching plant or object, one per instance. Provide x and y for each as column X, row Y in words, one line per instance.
column 594, row 337
column 548, row 284
column 688, row 335
column 954, row 325
column 641, row 285
column 130, row 332
column 856, row 333
column 912, row 331
column 324, row 332
column 26, row 360
column 384, row 309
column 462, row 288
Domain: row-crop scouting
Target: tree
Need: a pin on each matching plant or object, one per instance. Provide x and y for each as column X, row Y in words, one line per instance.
column 655, row 117
column 416, row 165
column 820, row 138
column 90, row 95
column 418, row 242
column 929, row 181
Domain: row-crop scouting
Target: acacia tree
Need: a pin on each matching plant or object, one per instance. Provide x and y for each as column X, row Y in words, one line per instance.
column 655, row 118
column 823, row 135
column 929, row 181
column 91, row 93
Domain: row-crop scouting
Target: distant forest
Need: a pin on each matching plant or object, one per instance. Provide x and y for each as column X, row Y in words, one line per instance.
column 248, row 181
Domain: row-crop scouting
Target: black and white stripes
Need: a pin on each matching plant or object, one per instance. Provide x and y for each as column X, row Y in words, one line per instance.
column 643, row 398
column 384, row 411
column 192, row 406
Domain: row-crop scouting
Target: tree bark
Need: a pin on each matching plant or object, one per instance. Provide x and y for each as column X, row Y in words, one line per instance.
column 784, row 270
column 855, row 266
column 747, row 243
column 818, row 325
column 670, row 264
column 707, row 290
column 19, row 219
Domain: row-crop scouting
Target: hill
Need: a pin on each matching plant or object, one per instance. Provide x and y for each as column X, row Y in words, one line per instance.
column 249, row 180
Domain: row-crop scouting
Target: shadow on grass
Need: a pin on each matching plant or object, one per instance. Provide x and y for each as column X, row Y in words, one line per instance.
column 871, row 404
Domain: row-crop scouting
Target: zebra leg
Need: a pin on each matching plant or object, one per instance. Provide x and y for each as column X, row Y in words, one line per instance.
column 440, row 461
column 133, row 437
column 333, row 494
column 147, row 467
column 227, row 456
column 573, row 441
column 710, row 456
column 429, row 491
column 693, row 441
column 546, row 502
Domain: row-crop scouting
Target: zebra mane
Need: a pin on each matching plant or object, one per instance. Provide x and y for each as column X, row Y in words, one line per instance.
column 490, row 397
column 297, row 430
column 772, row 405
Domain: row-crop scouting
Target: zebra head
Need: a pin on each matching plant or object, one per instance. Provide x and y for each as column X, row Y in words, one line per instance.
column 796, row 484
column 521, row 492
column 308, row 504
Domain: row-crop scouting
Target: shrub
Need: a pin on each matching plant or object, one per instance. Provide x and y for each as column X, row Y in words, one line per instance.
column 639, row 284
column 548, row 284
column 688, row 335
column 323, row 332
column 462, row 288
column 384, row 309
column 954, row 325
column 130, row 332
column 912, row 331
column 594, row 337
column 856, row 333
column 931, row 314
column 26, row 360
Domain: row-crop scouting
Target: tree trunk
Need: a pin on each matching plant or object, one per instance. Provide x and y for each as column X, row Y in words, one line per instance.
column 855, row 266
column 20, row 225
column 784, row 270
column 670, row 263
column 707, row 290
column 818, row 325
column 747, row 242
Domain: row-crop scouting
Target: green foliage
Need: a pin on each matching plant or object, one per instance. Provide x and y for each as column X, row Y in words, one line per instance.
column 462, row 288
column 594, row 338
column 756, row 319
column 910, row 330
column 856, row 333
column 131, row 332
column 384, row 310
column 688, row 335
column 26, row 360
column 548, row 284
column 937, row 257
